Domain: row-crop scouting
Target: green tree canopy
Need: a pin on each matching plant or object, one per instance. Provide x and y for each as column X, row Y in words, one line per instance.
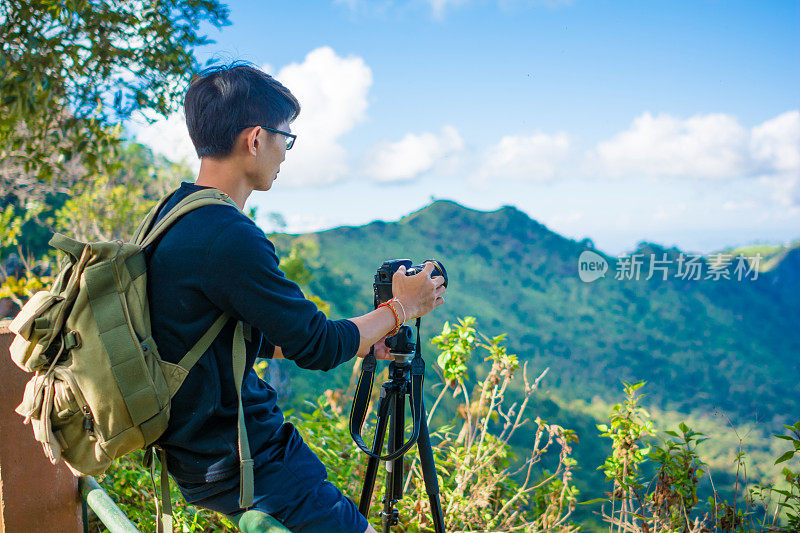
column 71, row 70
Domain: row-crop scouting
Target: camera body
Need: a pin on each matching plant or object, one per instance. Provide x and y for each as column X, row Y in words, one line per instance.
column 382, row 287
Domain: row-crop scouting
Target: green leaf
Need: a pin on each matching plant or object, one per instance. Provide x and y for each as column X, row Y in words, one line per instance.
column 596, row 500
column 785, row 457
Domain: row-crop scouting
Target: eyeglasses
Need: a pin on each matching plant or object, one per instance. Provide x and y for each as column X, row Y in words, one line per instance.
column 290, row 137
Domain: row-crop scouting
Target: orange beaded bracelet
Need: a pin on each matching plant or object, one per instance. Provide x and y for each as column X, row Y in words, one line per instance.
column 397, row 321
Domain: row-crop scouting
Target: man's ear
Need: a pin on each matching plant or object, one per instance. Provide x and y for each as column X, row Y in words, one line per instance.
column 252, row 140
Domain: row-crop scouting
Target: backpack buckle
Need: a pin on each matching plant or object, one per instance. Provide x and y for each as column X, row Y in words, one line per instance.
column 72, row 340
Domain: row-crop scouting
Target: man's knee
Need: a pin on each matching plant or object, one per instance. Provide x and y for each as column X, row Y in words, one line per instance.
column 255, row 521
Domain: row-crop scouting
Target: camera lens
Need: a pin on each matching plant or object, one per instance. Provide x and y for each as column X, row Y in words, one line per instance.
column 438, row 269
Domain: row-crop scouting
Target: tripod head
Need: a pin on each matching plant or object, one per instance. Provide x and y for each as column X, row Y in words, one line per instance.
column 402, row 346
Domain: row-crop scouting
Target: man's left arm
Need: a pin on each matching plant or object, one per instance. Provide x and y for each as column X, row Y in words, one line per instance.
column 244, row 280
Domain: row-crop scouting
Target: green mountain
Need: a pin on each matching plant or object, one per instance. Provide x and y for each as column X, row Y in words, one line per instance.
column 704, row 345
column 716, row 353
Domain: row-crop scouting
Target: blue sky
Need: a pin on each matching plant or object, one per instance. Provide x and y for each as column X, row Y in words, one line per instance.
column 676, row 122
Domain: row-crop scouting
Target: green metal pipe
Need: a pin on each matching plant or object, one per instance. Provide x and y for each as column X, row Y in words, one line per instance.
column 104, row 507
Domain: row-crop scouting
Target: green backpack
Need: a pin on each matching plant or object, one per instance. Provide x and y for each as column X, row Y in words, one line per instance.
column 100, row 389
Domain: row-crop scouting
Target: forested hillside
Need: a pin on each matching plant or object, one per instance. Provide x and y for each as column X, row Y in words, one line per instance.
column 728, row 345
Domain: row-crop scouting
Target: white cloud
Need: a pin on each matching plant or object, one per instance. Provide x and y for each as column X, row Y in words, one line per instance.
column 438, row 6
column 168, row 137
column 713, row 146
column 776, row 142
column 533, row 158
column 669, row 212
column 412, row 155
column 745, row 205
column 332, row 91
column 269, row 69
column 785, row 188
column 775, row 147
column 564, row 218
column 703, row 146
column 300, row 223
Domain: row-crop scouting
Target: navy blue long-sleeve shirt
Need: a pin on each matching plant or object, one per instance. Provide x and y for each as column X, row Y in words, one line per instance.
column 215, row 259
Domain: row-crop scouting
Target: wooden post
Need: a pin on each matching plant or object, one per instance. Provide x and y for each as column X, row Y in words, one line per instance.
column 34, row 494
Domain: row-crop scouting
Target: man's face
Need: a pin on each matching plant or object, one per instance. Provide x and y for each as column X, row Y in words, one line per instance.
column 271, row 152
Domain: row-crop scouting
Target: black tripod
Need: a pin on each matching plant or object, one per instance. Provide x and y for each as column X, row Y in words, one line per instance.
column 405, row 380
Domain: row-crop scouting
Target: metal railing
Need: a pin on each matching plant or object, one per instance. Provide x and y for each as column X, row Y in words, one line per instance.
column 93, row 496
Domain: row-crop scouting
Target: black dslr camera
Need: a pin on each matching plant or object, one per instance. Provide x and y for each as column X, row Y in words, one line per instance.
column 382, row 287
column 401, row 344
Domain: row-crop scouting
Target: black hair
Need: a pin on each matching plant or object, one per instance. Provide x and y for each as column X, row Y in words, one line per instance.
column 222, row 100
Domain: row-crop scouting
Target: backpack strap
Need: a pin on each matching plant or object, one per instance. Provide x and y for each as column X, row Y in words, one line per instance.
column 200, row 347
column 246, row 480
column 239, row 362
column 239, row 352
column 164, row 520
column 190, row 203
column 144, row 225
column 163, row 498
column 71, row 247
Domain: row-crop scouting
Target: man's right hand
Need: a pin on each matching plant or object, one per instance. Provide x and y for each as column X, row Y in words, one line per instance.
column 419, row 294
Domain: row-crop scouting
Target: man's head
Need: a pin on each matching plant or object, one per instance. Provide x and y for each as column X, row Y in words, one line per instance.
column 227, row 109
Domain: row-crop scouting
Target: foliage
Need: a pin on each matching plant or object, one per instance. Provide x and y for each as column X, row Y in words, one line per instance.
column 479, row 491
column 70, row 71
column 130, row 486
column 108, row 207
column 32, row 278
column 629, row 423
column 28, row 275
column 791, row 498
column 294, row 265
column 788, row 495
column 101, row 212
column 12, row 227
column 675, row 492
column 668, row 503
column 455, row 347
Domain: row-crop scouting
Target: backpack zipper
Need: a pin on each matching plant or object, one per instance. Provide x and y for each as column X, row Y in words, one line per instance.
column 88, row 421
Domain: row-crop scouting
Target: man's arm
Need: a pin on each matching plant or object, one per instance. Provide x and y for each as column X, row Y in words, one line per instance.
column 418, row 294
column 244, row 280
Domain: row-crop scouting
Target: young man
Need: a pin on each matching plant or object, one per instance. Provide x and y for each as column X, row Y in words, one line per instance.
column 214, row 260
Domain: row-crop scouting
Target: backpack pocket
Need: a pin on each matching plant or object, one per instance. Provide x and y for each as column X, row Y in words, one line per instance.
column 34, row 331
column 62, row 421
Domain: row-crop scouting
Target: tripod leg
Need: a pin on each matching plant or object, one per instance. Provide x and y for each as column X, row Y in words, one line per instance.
column 389, row 517
column 429, row 473
column 377, row 446
column 399, row 426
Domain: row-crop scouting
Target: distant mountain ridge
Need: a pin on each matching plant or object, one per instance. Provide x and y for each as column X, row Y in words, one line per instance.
column 703, row 344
